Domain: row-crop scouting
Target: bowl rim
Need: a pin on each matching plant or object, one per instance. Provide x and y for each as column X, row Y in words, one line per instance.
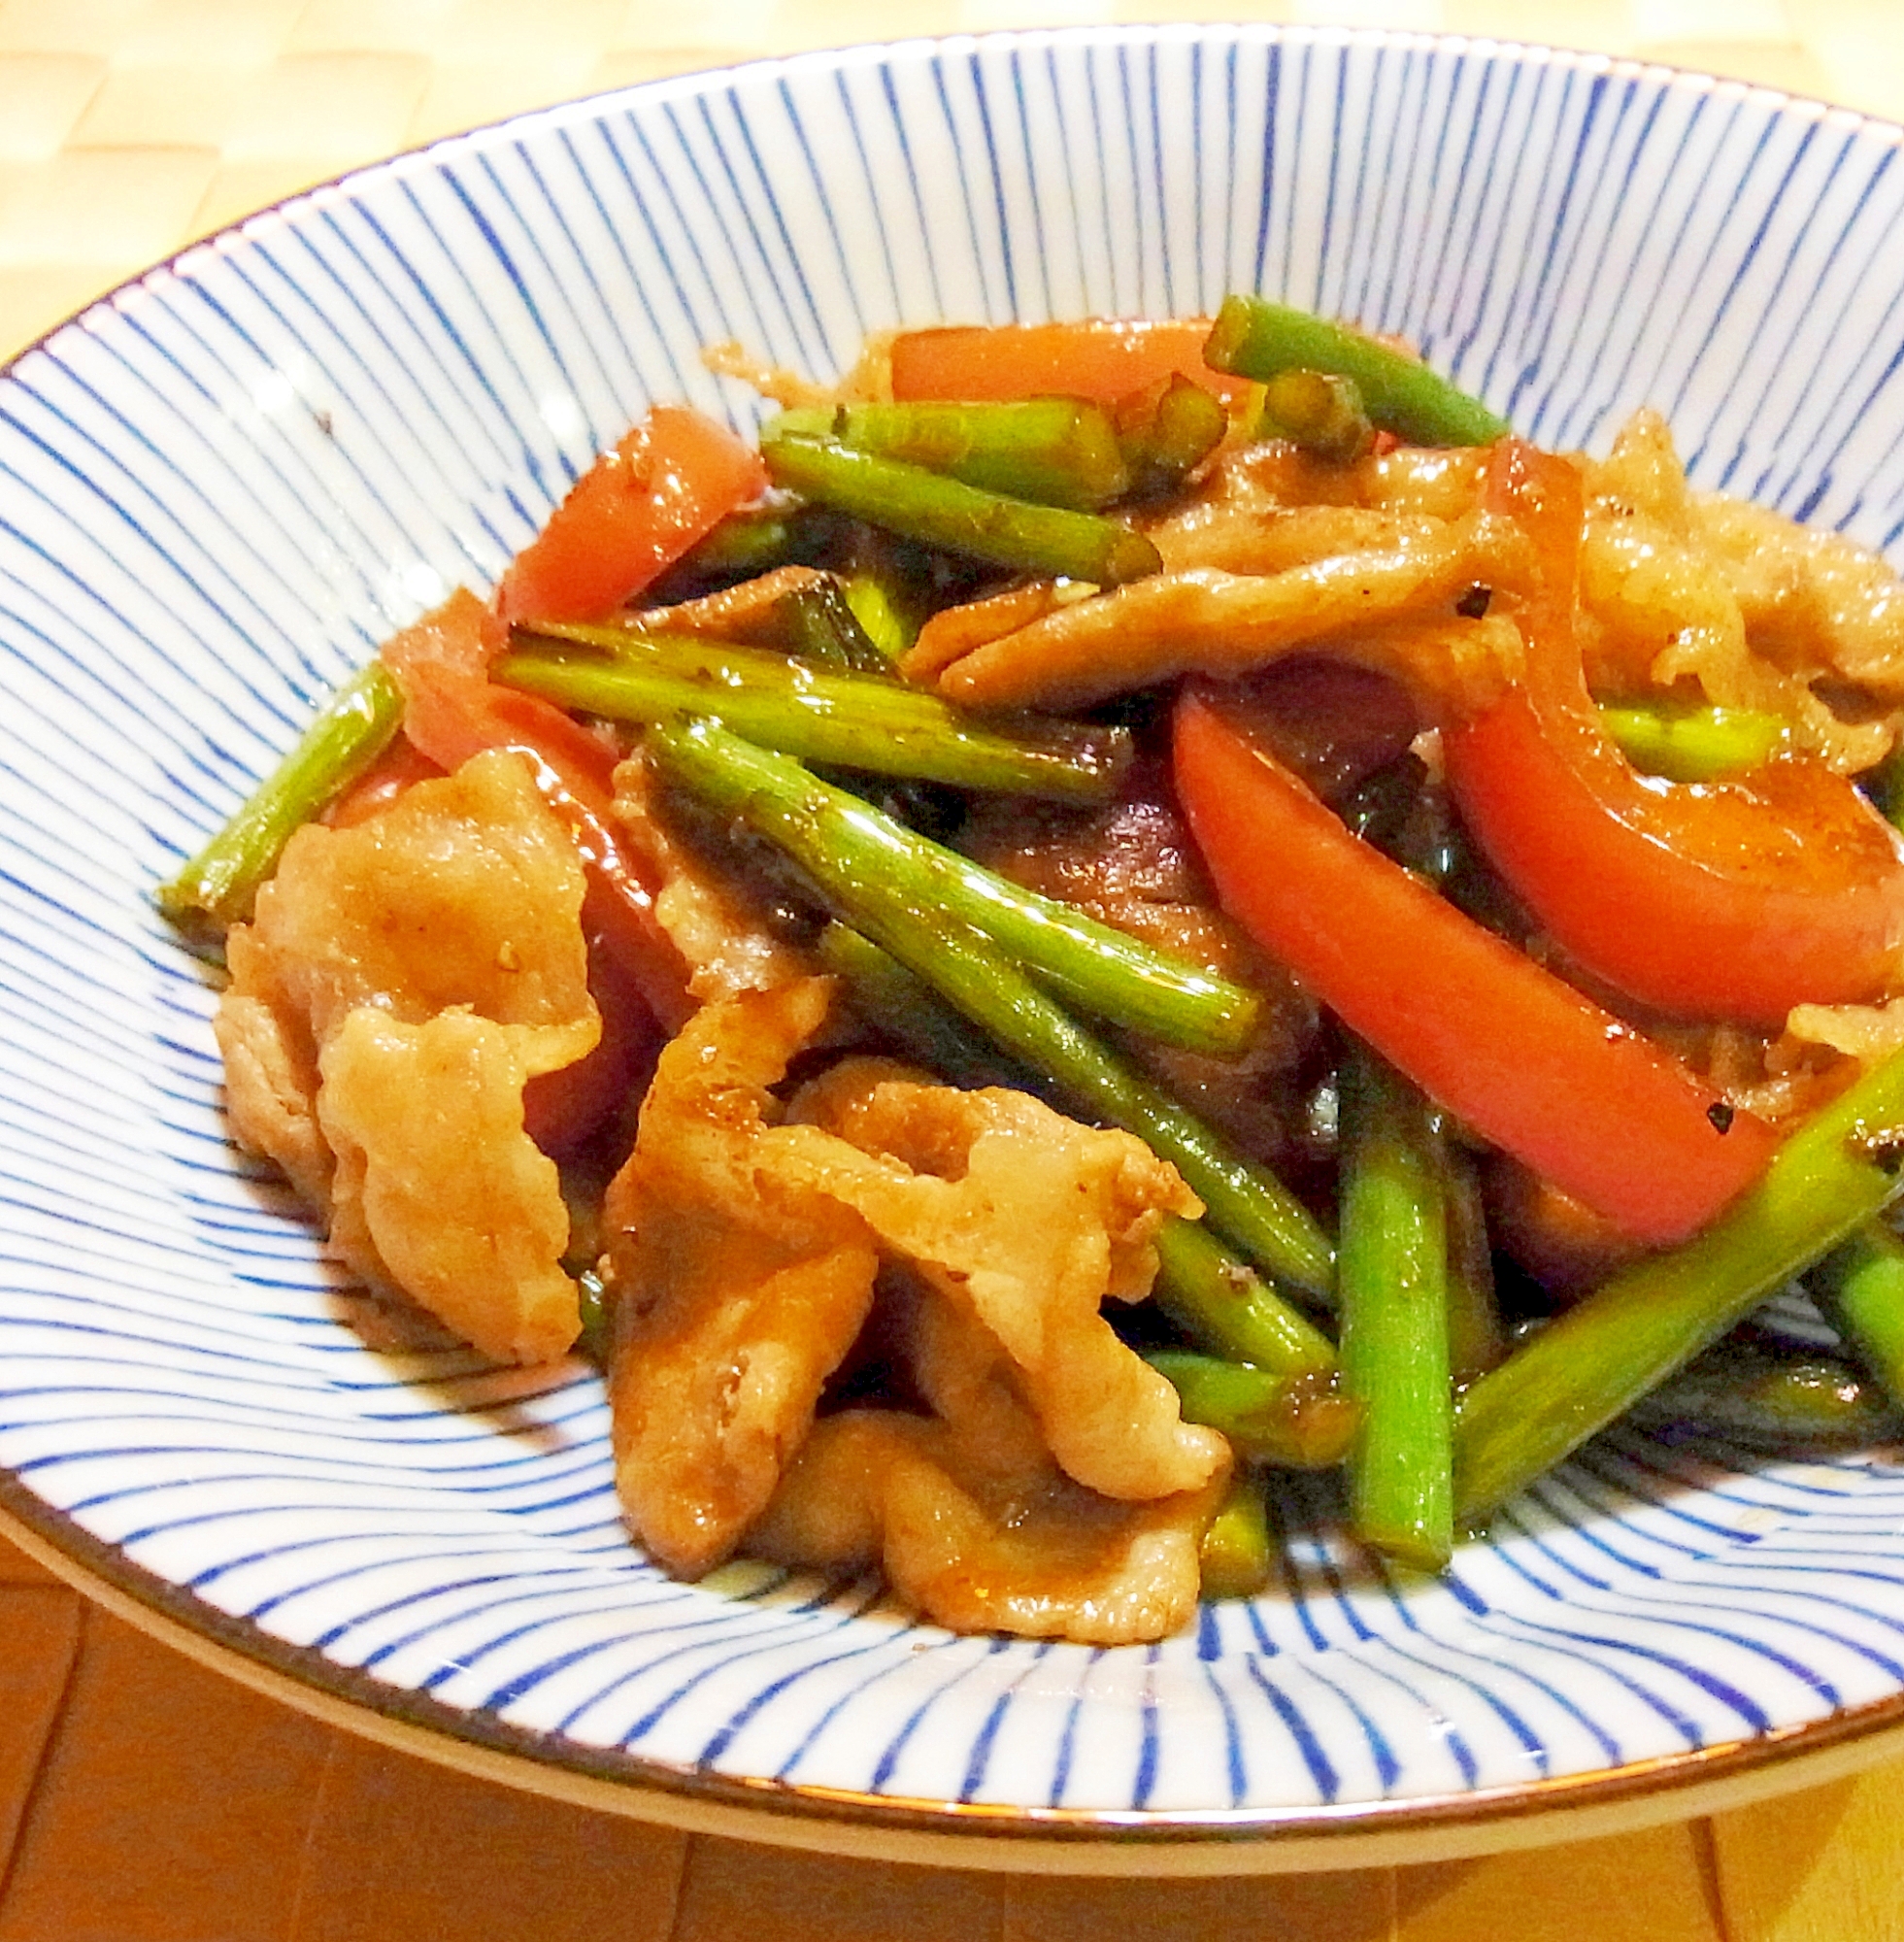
column 1083, row 1841
column 953, row 1833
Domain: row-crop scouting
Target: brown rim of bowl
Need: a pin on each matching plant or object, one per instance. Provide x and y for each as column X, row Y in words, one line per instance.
column 949, row 1833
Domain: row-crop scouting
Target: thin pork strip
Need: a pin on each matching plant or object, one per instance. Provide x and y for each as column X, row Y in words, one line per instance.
column 1205, row 621
column 1028, row 1220
column 736, row 1290
column 969, row 1518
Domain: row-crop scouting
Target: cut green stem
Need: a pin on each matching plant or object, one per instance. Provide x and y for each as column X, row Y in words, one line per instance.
column 1860, row 1288
column 1255, row 338
column 745, row 543
column 907, row 1009
column 823, row 627
column 847, row 721
column 1596, row 1361
column 1298, row 1425
column 216, row 887
column 956, row 518
column 862, row 866
column 1055, row 452
column 1236, row 1556
column 1167, row 431
column 1475, row 1341
column 1392, row 1289
column 1222, row 1304
column 1320, row 412
column 1773, row 1398
column 1693, row 745
column 840, row 839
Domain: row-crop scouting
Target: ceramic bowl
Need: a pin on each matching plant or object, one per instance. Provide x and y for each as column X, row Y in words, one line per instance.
column 220, row 487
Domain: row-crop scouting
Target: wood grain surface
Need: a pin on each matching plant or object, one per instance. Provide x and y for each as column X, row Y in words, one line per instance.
column 144, row 1798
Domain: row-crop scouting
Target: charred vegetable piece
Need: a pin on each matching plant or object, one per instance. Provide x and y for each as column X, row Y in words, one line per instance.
column 821, row 626
column 1693, row 745
column 888, row 616
column 1596, row 1361
column 1167, row 430
column 746, row 544
column 855, row 722
column 1475, row 1338
column 888, row 586
column 1774, row 1399
column 215, row 889
column 850, row 853
column 943, row 513
column 1236, row 1556
column 1319, row 412
column 1255, row 338
column 1392, row 1289
column 1860, row 1288
column 1294, row 1423
column 1055, row 452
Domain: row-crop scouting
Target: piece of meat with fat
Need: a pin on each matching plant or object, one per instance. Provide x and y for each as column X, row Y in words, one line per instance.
column 401, row 981
column 736, row 1289
column 1132, row 865
column 1025, row 1220
column 969, row 1518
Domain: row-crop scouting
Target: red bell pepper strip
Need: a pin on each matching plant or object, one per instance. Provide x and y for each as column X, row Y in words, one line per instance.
column 562, row 1110
column 1733, row 899
column 630, row 516
column 1102, row 359
column 1500, row 1042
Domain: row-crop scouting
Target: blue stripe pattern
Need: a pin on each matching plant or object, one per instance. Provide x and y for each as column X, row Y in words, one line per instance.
column 220, row 487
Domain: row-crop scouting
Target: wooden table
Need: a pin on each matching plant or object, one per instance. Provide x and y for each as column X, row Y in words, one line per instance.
column 143, row 1797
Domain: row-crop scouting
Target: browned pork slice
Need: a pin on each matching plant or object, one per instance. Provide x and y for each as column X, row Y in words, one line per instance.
column 1025, row 1222
column 1688, row 588
column 1390, row 608
column 723, row 924
column 971, row 1520
column 437, row 1191
column 748, row 613
column 737, row 1286
column 400, row 982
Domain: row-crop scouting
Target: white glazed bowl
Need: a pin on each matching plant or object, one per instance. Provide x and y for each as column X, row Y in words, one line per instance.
column 222, row 487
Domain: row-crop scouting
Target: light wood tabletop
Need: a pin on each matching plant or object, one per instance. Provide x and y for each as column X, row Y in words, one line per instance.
column 144, row 1797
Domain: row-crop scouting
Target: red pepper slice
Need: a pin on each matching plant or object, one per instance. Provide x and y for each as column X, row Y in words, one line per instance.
column 1105, row 358
column 1500, row 1042
column 630, row 516
column 564, row 1109
column 1719, row 901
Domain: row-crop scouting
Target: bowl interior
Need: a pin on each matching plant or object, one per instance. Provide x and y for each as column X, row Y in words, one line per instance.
column 221, row 487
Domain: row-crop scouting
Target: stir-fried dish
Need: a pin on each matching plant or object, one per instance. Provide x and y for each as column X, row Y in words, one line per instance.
column 1115, row 910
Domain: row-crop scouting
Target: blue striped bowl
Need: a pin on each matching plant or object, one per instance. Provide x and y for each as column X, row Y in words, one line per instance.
column 220, row 487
